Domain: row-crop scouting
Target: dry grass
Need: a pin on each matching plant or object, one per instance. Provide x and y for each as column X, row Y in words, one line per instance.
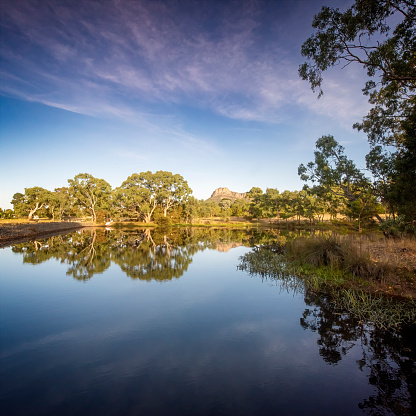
column 387, row 265
column 356, row 271
column 399, row 252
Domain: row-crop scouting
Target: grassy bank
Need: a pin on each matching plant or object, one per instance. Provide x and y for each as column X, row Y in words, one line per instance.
column 373, row 280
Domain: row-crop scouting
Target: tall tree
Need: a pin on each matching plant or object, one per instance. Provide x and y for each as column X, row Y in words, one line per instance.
column 90, row 192
column 272, row 203
column 191, row 209
column 138, row 195
column 64, row 201
column 331, row 170
column 333, row 173
column 31, row 201
column 379, row 35
column 174, row 190
column 256, row 196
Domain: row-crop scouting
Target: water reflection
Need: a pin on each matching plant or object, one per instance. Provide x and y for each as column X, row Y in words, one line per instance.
column 387, row 356
column 145, row 254
column 218, row 344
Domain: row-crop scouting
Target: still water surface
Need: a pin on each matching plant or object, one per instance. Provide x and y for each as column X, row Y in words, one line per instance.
column 142, row 322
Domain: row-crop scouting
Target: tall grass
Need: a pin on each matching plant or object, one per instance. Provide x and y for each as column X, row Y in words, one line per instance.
column 340, row 267
column 336, row 253
column 382, row 311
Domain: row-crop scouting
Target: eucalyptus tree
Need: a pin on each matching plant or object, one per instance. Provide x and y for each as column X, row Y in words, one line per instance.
column 380, row 36
column 33, row 200
column 91, row 193
column 334, row 202
column 272, row 202
column 173, row 190
column 138, row 195
column 256, row 197
column 240, row 208
column 287, row 204
column 225, row 204
column 209, row 209
column 332, row 170
column 364, row 206
column 313, row 206
column 191, row 209
column 64, row 201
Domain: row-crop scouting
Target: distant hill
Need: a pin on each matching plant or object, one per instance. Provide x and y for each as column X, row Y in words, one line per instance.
column 221, row 193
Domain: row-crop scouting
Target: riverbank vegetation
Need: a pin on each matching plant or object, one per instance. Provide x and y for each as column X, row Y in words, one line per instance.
column 374, row 281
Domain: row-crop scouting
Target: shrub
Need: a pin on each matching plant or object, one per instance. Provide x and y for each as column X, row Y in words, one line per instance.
column 397, row 226
column 164, row 222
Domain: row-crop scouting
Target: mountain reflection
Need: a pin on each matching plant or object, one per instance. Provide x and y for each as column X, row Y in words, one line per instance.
column 145, row 254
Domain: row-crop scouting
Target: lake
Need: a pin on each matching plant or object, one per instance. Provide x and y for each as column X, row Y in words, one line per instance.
column 128, row 322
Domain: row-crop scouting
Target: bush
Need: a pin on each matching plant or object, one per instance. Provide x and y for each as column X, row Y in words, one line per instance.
column 343, row 254
column 397, row 226
column 164, row 222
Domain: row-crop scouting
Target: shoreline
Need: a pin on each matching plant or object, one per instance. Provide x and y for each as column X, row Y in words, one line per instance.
column 12, row 233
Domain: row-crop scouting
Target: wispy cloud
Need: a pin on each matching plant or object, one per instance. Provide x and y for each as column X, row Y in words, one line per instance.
column 341, row 101
column 118, row 57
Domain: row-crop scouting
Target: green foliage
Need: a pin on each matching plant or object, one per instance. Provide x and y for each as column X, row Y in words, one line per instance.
column 137, row 195
column 64, row 203
column 379, row 35
column 33, row 200
column 397, row 226
column 381, row 311
column 240, row 208
column 190, row 210
column 329, row 265
column 337, row 177
column 90, row 192
column 6, row 213
column 332, row 170
column 173, row 191
column 140, row 194
column 340, row 38
column 101, row 216
column 164, row 222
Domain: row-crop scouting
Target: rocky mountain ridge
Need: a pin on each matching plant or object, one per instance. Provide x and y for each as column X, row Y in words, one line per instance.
column 221, row 193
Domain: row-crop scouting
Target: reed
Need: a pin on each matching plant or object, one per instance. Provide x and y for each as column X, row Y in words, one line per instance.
column 381, row 311
column 342, row 268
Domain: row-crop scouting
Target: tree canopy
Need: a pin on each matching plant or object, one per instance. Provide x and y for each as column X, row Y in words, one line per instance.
column 31, row 201
column 379, row 35
column 140, row 194
column 90, row 192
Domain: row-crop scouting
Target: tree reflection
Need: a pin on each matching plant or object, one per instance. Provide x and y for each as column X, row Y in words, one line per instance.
column 146, row 259
column 89, row 255
column 145, row 254
column 337, row 331
column 388, row 356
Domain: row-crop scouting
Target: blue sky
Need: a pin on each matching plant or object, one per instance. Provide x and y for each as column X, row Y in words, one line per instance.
column 207, row 89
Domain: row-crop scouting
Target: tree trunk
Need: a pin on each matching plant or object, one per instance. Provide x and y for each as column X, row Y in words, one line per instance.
column 34, row 210
column 94, row 217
